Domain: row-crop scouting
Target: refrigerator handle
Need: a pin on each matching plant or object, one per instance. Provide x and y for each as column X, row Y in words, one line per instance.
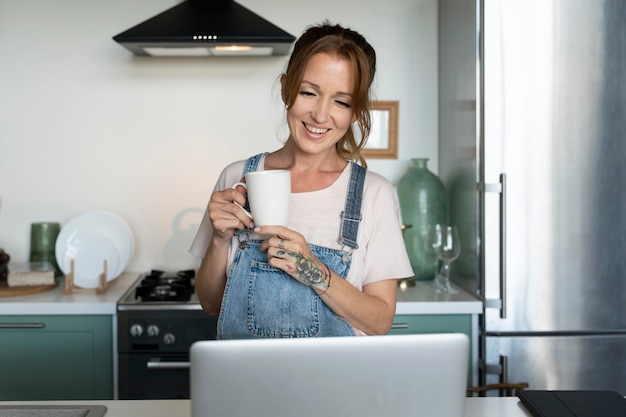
column 503, row 245
column 500, row 188
column 504, row 369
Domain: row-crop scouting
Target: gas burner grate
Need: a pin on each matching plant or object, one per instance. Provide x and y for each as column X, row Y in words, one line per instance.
column 161, row 286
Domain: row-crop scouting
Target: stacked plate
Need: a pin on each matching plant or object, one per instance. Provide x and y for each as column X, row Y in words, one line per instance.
column 89, row 240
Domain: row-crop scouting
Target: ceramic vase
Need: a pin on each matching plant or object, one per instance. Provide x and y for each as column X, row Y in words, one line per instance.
column 423, row 204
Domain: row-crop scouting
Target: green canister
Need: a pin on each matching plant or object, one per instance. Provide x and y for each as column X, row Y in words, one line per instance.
column 43, row 237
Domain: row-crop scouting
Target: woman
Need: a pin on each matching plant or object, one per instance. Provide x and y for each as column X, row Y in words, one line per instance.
column 332, row 271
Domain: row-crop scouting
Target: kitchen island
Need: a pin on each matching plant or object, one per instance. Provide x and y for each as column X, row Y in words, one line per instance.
column 474, row 407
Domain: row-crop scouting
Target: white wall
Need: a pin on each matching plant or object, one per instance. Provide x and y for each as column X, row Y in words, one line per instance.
column 85, row 125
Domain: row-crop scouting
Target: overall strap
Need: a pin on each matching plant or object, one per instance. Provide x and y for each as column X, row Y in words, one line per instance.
column 252, row 163
column 351, row 215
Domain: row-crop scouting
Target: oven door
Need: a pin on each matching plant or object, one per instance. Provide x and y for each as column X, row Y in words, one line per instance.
column 149, row 376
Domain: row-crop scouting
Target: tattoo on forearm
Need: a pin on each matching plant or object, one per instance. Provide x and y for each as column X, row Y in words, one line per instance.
column 308, row 272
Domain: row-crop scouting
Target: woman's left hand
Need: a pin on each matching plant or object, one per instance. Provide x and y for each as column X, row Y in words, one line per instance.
column 289, row 251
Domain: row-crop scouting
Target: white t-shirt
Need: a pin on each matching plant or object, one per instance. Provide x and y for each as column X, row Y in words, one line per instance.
column 316, row 215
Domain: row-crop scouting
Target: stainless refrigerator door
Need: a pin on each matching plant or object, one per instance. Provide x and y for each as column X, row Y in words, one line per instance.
column 563, row 363
column 555, row 125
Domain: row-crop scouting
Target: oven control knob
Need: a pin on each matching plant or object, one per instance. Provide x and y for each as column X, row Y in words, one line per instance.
column 153, row 330
column 136, row 330
column 169, row 339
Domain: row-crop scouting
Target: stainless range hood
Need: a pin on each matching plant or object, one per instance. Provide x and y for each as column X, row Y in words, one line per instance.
column 206, row 28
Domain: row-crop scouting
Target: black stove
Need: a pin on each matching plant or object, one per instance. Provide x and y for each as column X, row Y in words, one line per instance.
column 162, row 288
column 158, row 319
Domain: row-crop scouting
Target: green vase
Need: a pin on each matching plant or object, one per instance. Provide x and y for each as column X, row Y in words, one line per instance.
column 423, row 204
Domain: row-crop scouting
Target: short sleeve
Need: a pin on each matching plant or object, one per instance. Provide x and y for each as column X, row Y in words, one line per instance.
column 385, row 253
column 230, row 175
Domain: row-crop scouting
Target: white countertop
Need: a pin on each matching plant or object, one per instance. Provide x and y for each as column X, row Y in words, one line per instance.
column 423, row 299
column 419, row 299
column 474, row 407
column 54, row 302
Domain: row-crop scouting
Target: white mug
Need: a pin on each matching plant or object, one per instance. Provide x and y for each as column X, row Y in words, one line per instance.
column 269, row 196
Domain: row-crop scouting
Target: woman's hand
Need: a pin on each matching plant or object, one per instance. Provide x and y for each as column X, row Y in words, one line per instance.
column 225, row 215
column 370, row 310
column 289, row 251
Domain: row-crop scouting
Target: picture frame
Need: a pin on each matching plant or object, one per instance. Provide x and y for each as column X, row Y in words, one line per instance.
column 383, row 140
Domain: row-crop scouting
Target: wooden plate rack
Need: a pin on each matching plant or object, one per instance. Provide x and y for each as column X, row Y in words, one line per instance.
column 103, row 284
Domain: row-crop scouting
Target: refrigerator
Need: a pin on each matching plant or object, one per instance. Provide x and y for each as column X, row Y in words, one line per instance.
column 532, row 150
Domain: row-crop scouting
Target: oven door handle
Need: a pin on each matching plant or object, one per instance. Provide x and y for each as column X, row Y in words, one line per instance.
column 156, row 364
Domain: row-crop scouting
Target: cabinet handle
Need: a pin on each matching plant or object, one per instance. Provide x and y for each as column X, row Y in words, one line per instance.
column 22, row 325
column 400, row 326
column 156, row 364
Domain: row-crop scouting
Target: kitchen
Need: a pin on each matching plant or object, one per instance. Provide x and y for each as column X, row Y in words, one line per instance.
column 146, row 137
column 88, row 125
column 112, row 134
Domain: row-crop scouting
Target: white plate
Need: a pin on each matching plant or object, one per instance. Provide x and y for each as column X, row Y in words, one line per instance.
column 89, row 251
column 100, row 222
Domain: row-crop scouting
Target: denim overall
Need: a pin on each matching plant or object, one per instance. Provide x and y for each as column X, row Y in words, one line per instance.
column 261, row 301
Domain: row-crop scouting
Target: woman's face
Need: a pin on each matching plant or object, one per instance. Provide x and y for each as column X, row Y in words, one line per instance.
column 322, row 111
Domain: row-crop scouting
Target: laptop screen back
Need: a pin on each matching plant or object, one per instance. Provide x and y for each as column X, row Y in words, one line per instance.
column 391, row 376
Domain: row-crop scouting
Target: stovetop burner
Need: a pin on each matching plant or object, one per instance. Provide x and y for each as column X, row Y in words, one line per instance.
column 160, row 286
column 161, row 290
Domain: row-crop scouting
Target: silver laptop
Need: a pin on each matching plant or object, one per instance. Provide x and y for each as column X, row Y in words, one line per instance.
column 391, row 376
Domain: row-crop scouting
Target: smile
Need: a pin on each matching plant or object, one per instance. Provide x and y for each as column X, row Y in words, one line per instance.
column 315, row 130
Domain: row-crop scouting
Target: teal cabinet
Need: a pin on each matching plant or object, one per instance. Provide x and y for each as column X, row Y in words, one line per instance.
column 432, row 323
column 436, row 323
column 65, row 357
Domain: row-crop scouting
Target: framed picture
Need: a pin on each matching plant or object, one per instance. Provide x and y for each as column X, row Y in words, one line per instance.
column 383, row 140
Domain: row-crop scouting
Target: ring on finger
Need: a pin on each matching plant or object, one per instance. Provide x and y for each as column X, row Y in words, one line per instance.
column 281, row 244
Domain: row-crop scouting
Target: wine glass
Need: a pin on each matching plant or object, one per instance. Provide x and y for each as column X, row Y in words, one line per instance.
column 432, row 244
column 448, row 251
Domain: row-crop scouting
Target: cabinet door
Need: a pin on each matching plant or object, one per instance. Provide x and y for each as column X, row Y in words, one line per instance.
column 432, row 323
column 439, row 323
column 56, row 358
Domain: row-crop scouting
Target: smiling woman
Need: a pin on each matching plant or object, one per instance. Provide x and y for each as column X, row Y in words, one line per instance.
column 332, row 269
column 321, row 114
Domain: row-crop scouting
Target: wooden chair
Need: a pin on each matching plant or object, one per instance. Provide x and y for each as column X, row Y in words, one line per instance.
column 505, row 389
